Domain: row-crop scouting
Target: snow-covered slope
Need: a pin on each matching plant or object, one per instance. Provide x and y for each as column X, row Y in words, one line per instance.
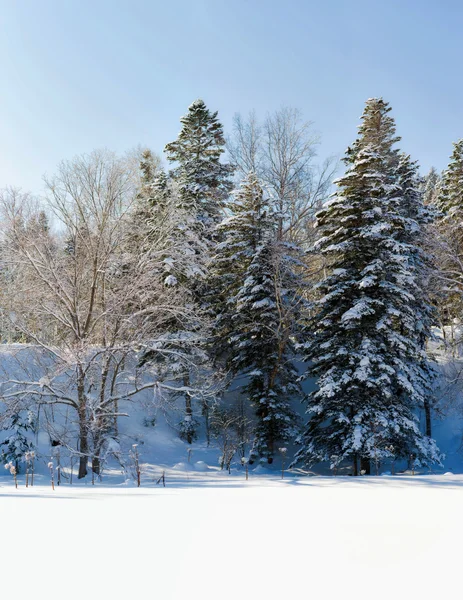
column 153, row 427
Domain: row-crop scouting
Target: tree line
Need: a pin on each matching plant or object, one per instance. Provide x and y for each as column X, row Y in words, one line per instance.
column 241, row 268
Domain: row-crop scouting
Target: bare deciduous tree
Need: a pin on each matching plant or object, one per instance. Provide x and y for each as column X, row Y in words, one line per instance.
column 282, row 153
column 100, row 292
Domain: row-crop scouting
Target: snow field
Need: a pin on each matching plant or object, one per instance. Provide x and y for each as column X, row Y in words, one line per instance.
column 388, row 537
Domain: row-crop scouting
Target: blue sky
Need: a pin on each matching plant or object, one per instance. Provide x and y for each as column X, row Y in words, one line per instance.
column 80, row 74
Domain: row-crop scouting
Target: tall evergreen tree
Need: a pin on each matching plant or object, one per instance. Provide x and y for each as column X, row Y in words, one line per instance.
column 417, row 215
column 263, row 349
column 449, row 239
column 364, row 348
column 450, row 200
column 256, row 314
column 242, row 233
column 203, row 180
column 431, row 186
column 201, row 184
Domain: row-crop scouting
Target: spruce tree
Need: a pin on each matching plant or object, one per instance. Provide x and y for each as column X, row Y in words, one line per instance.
column 450, row 200
column 17, row 441
column 242, row 233
column 149, row 213
column 418, row 213
column 201, row 185
column 431, row 187
column 449, row 229
column 262, row 349
column 364, row 349
column 203, row 180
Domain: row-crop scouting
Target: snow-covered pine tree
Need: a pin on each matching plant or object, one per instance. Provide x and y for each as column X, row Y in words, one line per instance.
column 431, row 186
column 241, row 235
column 262, row 348
column 154, row 193
column 450, row 200
column 17, row 441
column 364, row 348
column 417, row 216
column 204, row 181
column 149, row 212
column 201, row 184
column 259, row 320
column 449, row 239
column 257, row 303
column 153, row 252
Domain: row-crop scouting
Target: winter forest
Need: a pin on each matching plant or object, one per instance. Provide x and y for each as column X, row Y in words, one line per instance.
column 234, row 300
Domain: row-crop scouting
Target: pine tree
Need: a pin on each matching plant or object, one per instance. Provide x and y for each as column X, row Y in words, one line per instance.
column 153, row 194
column 450, row 200
column 200, row 184
column 418, row 213
column 242, row 234
column 364, row 347
column 431, row 187
column 257, row 304
column 263, row 351
column 17, row 442
column 204, row 181
column 149, row 213
column 449, row 238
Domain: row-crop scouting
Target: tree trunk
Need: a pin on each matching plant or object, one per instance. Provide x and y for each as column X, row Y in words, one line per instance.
column 83, row 451
column 206, row 417
column 427, row 412
column 355, row 466
column 83, row 427
column 96, row 465
column 365, row 465
column 188, row 409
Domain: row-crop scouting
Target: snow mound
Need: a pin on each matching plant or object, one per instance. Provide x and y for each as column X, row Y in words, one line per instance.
column 261, row 470
column 200, row 465
column 181, row 466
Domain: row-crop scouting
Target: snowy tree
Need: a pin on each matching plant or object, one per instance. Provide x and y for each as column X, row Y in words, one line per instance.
column 431, row 186
column 17, row 428
column 152, row 197
column 203, row 180
column 365, row 349
column 242, row 233
column 262, row 350
column 451, row 193
column 447, row 242
column 104, row 299
column 202, row 184
column 257, row 303
column 417, row 216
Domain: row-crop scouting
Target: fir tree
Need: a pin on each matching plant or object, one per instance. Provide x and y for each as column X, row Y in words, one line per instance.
column 202, row 184
column 449, row 229
column 153, row 195
column 257, row 305
column 364, row 349
column 204, row 181
column 17, row 442
column 149, row 214
column 450, row 200
column 242, row 233
column 262, row 350
column 417, row 215
column 431, row 187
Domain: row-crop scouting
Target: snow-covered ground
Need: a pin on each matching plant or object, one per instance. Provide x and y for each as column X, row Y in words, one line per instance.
column 220, row 538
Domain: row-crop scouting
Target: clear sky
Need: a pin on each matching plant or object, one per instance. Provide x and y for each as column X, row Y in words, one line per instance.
column 83, row 74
